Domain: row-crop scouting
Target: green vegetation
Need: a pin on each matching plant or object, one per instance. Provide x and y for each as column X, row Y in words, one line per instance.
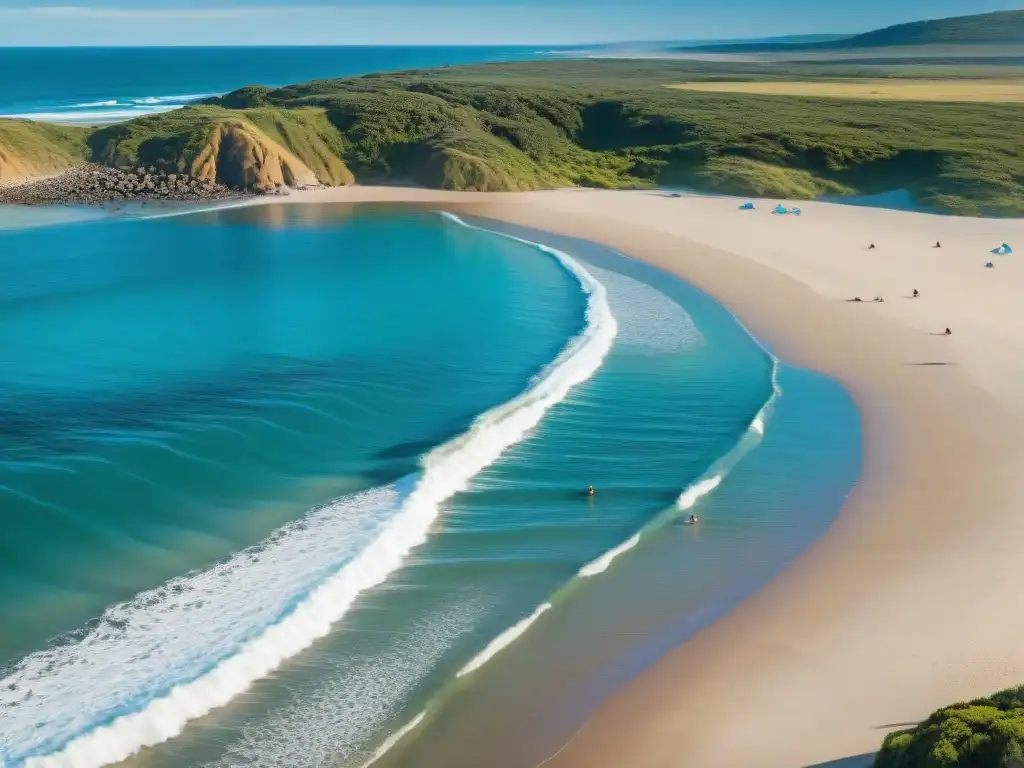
column 1000, row 27
column 613, row 124
column 599, row 123
column 985, row 733
column 32, row 149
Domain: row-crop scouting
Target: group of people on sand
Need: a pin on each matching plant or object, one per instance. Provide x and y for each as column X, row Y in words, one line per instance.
column 916, row 294
column 872, row 246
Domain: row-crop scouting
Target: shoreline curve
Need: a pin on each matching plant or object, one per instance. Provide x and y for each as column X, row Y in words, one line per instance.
column 854, row 637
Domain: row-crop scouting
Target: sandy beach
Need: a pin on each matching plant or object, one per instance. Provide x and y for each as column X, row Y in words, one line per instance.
column 908, row 602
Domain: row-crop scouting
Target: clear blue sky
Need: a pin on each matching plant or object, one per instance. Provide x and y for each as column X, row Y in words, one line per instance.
column 448, row 22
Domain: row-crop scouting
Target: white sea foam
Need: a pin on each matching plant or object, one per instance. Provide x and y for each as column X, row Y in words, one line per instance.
column 394, row 738
column 601, row 564
column 503, row 641
column 89, row 116
column 90, row 112
column 688, row 499
column 175, row 210
column 648, row 319
column 332, row 716
column 145, row 647
column 57, row 687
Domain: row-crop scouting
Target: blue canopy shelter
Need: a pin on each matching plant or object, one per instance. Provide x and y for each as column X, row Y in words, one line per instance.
column 795, row 211
column 780, row 210
column 1003, row 250
column 747, row 207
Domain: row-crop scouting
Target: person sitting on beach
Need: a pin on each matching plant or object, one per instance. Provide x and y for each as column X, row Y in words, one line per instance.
column 989, row 264
column 856, row 298
column 879, row 299
column 871, row 247
column 916, row 294
column 938, row 244
column 947, row 332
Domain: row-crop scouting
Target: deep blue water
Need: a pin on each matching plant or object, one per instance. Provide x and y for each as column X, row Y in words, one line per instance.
column 273, row 477
column 87, row 85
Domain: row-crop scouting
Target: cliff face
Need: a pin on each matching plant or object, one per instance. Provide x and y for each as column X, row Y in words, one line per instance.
column 243, row 157
column 256, row 150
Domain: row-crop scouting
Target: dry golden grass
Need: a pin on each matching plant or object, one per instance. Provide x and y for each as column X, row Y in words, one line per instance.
column 1008, row 90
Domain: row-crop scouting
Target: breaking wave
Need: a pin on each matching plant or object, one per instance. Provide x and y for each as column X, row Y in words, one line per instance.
column 96, row 718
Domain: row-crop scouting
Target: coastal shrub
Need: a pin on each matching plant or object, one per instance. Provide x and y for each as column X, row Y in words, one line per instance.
column 613, row 124
column 985, row 733
column 738, row 175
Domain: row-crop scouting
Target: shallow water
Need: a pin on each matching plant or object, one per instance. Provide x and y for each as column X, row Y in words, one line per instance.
column 291, row 380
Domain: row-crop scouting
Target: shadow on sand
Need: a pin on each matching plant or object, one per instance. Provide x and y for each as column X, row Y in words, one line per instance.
column 855, row 761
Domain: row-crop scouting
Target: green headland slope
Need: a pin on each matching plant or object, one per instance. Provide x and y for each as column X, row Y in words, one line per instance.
column 534, row 125
column 30, row 149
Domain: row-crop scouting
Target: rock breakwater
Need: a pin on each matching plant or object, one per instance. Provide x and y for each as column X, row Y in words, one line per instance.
column 97, row 184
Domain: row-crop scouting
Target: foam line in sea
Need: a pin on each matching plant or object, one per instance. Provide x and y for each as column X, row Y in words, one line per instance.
column 446, row 470
column 686, row 501
column 109, row 110
column 713, row 478
column 503, row 641
column 394, row 738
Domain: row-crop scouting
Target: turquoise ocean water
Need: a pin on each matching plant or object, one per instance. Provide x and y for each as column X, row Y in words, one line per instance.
column 278, row 482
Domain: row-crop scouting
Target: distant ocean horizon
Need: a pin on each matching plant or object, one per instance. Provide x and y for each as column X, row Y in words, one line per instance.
column 100, row 85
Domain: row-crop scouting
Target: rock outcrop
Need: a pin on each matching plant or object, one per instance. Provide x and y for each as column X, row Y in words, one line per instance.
column 240, row 155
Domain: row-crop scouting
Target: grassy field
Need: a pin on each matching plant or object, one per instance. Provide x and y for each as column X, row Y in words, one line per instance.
column 991, row 90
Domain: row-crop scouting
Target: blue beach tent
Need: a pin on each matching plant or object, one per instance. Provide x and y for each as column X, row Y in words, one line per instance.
column 747, row 207
column 780, row 210
column 1003, row 250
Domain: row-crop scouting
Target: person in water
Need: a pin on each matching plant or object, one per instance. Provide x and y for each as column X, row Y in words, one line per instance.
column 692, row 519
column 590, row 490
